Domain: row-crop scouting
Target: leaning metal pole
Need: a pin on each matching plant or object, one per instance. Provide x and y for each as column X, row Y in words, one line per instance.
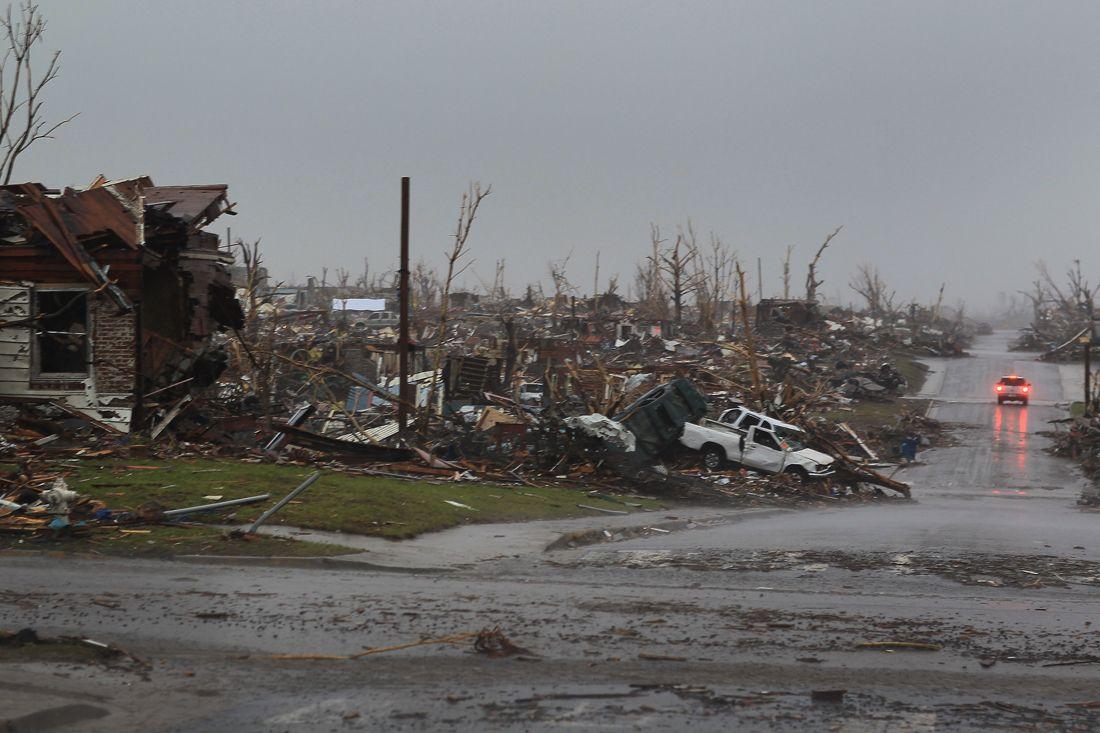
column 283, row 502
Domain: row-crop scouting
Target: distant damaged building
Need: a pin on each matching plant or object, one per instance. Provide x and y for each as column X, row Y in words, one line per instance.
column 110, row 293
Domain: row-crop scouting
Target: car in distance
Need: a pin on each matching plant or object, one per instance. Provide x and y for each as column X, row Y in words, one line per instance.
column 1012, row 388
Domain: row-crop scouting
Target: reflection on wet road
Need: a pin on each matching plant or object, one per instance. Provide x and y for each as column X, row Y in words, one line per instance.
column 1010, row 438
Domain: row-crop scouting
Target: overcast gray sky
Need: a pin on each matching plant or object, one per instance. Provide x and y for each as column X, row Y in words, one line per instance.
column 954, row 141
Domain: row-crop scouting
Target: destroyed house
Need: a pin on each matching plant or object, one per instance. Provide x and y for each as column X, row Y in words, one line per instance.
column 110, row 293
column 774, row 314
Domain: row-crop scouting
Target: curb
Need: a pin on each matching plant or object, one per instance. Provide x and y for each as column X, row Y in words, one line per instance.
column 586, row 537
column 319, row 563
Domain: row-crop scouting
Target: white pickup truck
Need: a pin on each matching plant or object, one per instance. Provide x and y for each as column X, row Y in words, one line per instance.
column 767, row 445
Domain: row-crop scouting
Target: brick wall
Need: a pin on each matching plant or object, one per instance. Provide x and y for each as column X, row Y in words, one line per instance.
column 112, row 347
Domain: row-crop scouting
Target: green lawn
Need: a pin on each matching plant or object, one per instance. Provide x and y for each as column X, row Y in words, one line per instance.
column 384, row 507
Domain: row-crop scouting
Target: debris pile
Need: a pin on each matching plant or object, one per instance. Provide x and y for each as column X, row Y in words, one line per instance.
column 600, row 402
column 45, row 507
column 1079, row 440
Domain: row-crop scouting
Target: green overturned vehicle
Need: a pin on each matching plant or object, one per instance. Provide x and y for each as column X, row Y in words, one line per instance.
column 657, row 418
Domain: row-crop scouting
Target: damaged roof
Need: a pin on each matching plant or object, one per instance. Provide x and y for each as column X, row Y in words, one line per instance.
column 196, row 205
column 86, row 215
column 106, row 210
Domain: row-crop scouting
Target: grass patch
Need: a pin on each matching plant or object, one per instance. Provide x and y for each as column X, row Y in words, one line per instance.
column 867, row 415
column 915, row 373
column 159, row 541
column 378, row 506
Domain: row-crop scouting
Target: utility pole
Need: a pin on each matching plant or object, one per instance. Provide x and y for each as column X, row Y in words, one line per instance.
column 403, row 335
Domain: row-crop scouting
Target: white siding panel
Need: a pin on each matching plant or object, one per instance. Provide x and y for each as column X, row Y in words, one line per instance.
column 15, row 348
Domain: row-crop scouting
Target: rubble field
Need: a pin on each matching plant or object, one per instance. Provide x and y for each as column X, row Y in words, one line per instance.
column 191, row 390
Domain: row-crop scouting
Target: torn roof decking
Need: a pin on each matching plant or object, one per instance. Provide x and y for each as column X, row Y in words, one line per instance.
column 104, row 214
column 63, row 219
column 195, row 205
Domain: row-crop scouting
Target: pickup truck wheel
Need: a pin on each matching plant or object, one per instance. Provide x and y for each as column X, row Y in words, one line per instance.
column 798, row 473
column 713, row 457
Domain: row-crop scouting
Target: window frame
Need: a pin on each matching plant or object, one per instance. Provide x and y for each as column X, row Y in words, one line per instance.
column 37, row 375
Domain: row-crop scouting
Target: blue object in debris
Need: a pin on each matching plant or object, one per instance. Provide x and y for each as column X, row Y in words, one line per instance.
column 909, row 448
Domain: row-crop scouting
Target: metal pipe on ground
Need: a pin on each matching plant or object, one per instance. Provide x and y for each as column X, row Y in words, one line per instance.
column 172, row 513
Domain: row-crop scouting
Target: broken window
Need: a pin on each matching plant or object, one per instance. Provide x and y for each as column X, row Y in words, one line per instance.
column 61, row 334
column 766, row 440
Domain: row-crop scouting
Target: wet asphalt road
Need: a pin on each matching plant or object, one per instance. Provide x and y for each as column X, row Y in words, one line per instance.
column 995, row 567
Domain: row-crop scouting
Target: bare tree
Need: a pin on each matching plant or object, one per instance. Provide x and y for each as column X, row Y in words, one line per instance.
column 499, row 292
column 612, row 285
column 787, row 273
column 714, row 271
column 750, row 340
column 561, row 283
column 343, row 277
column 467, row 212
column 1079, row 296
column 677, row 267
column 648, row 284
column 22, row 117
column 812, row 283
column 939, row 304
column 259, row 368
column 1059, row 312
column 425, row 284
column 869, row 284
